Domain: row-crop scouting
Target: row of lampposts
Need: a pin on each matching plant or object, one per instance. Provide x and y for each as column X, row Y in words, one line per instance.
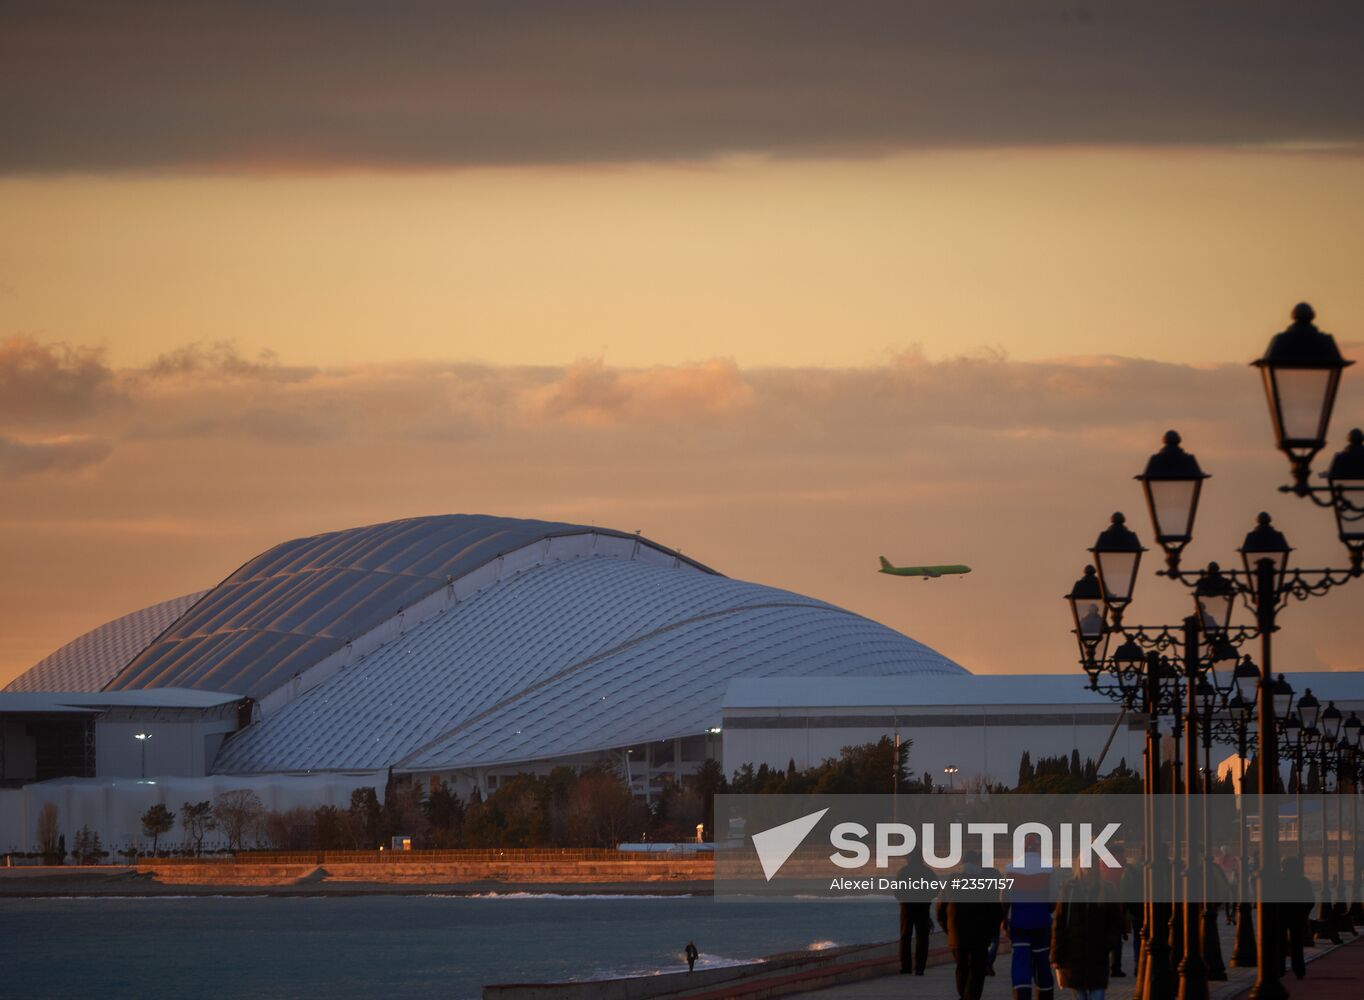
column 1171, row 670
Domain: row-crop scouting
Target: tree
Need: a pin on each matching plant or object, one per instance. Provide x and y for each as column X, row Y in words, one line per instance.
column 445, row 813
column 239, row 812
column 156, row 821
column 197, row 819
column 710, row 782
column 401, row 814
column 291, row 830
column 49, row 834
column 1025, row 771
column 365, row 814
column 331, row 829
column 87, row 848
column 601, row 811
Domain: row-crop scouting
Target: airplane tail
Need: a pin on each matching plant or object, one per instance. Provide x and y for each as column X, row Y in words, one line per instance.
column 885, row 563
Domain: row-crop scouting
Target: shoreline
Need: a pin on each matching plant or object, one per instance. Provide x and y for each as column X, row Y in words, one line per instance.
column 145, row 885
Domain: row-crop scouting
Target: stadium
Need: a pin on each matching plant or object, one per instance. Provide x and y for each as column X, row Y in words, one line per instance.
column 469, row 647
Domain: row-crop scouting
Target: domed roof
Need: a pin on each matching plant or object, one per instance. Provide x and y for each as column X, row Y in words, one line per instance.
column 440, row 643
column 302, row 601
column 90, row 661
column 567, row 658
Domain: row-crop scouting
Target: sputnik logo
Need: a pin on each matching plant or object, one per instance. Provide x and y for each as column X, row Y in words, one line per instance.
column 776, row 845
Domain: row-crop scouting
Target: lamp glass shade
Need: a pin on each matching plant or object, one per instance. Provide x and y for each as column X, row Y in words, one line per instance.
column 1173, row 504
column 1300, row 400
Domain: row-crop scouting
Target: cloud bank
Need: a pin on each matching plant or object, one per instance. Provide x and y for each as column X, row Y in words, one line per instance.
column 251, row 86
column 126, row 486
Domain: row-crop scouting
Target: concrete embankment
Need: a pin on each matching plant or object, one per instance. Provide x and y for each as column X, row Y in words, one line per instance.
column 780, row 975
column 433, row 872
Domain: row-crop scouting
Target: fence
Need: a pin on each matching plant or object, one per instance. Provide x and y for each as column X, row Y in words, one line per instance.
column 461, row 856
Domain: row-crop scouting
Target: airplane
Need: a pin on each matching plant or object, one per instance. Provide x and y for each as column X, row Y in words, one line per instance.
column 927, row 572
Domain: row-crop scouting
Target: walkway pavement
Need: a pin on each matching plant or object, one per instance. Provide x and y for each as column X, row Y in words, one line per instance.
column 1336, row 973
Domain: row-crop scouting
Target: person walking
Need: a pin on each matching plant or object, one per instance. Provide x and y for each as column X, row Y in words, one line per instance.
column 1130, row 890
column 1295, row 910
column 1088, row 920
column 915, row 920
column 1112, row 876
column 970, row 918
column 692, row 955
column 1027, row 920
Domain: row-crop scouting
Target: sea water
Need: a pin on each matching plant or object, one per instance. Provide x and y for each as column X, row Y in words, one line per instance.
column 394, row 946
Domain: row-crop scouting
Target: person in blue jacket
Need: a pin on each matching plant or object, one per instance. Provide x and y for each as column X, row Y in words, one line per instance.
column 1028, row 910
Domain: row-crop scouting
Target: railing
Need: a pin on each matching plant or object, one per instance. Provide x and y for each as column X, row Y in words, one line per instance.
column 507, row 856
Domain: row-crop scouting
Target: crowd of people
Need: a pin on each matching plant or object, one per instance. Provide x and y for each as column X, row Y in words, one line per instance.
column 1069, row 934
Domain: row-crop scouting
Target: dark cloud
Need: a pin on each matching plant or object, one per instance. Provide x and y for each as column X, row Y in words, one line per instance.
column 255, row 85
column 221, row 359
column 19, row 458
column 51, row 382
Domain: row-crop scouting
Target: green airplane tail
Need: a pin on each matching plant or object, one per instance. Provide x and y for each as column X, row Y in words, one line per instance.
column 885, row 563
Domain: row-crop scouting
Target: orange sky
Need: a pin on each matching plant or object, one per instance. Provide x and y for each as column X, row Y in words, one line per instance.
column 1171, row 254
column 785, row 290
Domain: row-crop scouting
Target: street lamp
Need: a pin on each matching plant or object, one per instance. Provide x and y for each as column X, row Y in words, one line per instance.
column 142, row 738
column 1265, row 544
column 1089, row 610
column 1215, row 597
column 1172, row 483
column 1117, row 554
column 1308, row 710
column 1301, row 369
column 951, row 771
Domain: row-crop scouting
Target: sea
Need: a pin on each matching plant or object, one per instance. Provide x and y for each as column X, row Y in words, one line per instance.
column 395, row 946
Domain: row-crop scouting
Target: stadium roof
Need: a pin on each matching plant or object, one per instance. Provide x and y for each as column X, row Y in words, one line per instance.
column 441, row 643
column 92, row 660
column 570, row 658
column 303, row 600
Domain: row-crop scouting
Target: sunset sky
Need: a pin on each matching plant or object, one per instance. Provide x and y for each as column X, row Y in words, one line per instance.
column 785, row 285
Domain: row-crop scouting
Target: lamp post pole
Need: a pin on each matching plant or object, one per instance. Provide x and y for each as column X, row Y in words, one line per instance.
column 1156, row 981
column 1244, row 954
column 1193, row 973
column 1215, row 967
column 1340, row 910
column 142, row 738
column 1267, row 984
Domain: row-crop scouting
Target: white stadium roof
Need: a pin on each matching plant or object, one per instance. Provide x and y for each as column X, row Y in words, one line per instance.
column 464, row 640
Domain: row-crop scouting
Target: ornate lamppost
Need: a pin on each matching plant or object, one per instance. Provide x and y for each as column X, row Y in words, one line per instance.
column 1301, row 369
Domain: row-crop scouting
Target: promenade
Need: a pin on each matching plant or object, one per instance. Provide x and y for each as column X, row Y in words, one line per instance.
column 1335, row 972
